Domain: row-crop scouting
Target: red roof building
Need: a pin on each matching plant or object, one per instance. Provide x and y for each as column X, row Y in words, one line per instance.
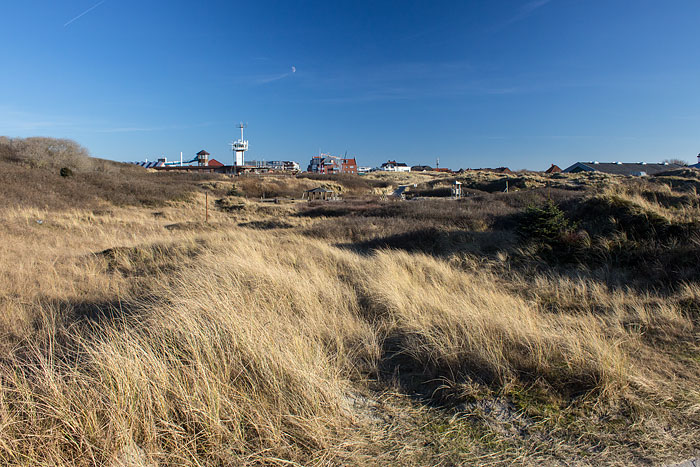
column 349, row 166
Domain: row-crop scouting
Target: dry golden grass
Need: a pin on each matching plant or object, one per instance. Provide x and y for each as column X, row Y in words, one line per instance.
column 143, row 334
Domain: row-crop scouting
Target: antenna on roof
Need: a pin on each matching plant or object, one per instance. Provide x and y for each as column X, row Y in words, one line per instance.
column 241, row 126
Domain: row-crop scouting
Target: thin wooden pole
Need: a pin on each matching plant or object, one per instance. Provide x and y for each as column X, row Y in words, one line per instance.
column 206, row 204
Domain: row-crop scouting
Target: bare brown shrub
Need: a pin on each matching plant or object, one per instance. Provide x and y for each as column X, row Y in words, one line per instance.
column 30, row 177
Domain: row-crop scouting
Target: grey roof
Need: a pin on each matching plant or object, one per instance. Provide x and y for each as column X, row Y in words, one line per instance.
column 621, row 168
column 148, row 165
column 320, row 190
column 394, row 163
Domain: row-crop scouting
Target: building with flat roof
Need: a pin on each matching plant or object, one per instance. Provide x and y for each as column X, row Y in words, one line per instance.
column 638, row 169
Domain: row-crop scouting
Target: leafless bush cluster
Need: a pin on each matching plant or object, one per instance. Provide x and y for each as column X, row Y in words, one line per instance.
column 31, row 177
column 41, row 152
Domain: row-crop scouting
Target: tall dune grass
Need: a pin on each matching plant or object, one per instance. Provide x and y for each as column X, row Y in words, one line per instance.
column 249, row 354
column 147, row 336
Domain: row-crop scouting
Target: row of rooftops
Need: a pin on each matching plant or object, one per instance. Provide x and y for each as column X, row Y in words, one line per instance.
column 620, row 168
column 349, row 165
column 204, row 163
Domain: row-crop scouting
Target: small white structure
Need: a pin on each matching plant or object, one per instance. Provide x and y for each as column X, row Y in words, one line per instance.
column 457, row 189
column 239, row 147
column 202, row 158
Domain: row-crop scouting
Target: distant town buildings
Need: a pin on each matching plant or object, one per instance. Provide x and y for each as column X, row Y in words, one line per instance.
column 201, row 162
column 277, row 166
column 329, row 164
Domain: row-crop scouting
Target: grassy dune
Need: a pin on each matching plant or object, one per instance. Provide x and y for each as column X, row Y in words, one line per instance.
column 362, row 332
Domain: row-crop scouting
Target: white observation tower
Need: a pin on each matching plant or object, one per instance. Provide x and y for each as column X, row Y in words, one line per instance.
column 239, row 147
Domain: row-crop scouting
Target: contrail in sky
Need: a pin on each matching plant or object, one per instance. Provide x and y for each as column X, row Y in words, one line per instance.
column 85, row 12
column 270, row 79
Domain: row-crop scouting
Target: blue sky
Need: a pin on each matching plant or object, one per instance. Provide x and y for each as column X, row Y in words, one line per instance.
column 520, row 83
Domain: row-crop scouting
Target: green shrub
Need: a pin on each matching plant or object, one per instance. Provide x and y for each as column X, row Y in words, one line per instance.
column 545, row 222
column 234, row 191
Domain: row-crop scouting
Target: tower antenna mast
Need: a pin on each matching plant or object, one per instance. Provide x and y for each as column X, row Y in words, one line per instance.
column 239, row 147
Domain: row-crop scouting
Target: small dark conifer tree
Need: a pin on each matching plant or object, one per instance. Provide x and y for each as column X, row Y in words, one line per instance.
column 546, row 222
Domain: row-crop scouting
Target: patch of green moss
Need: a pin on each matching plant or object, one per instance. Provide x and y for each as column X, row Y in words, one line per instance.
column 464, row 435
column 536, row 402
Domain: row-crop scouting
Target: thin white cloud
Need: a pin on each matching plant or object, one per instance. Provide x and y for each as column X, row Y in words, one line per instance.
column 20, row 122
column 132, row 129
column 270, row 79
column 523, row 12
column 532, row 6
column 13, row 120
column 85, row 12
column 273, row 78
column 370, row 96
column 405, row 81
column 136, row 129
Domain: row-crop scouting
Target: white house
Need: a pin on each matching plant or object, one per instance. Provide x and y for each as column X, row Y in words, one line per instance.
column 393, row 166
